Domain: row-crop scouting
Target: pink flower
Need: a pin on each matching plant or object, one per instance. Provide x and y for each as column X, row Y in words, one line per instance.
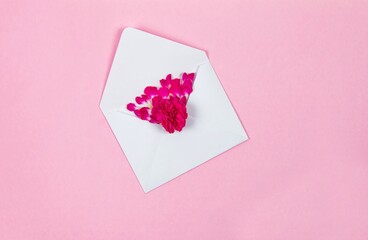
column 165, row 105
column 170, row 112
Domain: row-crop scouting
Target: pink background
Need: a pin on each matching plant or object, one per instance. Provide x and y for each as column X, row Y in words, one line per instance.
column 296, row 72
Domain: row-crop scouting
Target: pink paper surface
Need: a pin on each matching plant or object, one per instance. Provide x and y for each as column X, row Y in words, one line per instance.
column 295, row 71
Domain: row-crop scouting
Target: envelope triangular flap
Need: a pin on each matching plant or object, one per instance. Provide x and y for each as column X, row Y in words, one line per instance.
column 141, row 60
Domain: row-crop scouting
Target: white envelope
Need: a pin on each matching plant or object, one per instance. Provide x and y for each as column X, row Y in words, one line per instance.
column 156, row 157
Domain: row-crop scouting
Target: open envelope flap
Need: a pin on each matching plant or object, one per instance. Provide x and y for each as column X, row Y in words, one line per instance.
column 141, row 60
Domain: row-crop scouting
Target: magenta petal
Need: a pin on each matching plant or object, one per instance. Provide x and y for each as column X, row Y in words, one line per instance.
column 187, row 87
column 184, row 77
column 164, row 83
column 139, row 100
column 175, row 91
column 144, row 97
column 187, row 90
column 131, row 106
column 175, row 87
column 175, row 82
column 150, row 91
column 137, row 113
column 183, row 101
column 156, row 100
column 143, row 112
column 190, row 77
column 163, row 92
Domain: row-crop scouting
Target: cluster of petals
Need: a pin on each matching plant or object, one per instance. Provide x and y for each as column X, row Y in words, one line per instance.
column 165, row 105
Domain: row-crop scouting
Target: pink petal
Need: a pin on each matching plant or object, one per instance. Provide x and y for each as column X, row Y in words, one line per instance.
column 190, row 77
column 152, row 120
column 150, row 91
column 139, row 100
column 143, row 112
column 156, row 100
column 163, row 92
column 187, row 88
column 184, row 77
column 137, row 113
column 175, row 87
column 183, row 101
column 131, row 106
column 164, row 83
column 175, row 82
column 145, row 98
